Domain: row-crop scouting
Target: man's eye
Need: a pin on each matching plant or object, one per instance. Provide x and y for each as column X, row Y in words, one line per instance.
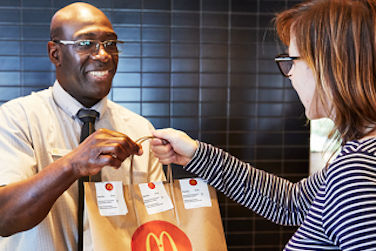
column 110, row 43
column 85, row 43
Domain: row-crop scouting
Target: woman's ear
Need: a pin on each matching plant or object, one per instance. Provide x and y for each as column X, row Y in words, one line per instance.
column 54, row 53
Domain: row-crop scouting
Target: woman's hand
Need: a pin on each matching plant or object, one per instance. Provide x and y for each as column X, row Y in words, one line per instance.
column 179, row 148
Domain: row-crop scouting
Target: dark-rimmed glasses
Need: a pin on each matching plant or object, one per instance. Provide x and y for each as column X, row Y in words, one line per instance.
column 285, row 62
column 88, row 46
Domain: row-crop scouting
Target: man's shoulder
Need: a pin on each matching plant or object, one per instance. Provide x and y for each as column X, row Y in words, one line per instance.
column 36, row 103
column 123, row 112
column 37, row 98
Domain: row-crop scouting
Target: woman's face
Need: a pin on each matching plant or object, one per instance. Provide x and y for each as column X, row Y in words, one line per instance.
column 303, row 81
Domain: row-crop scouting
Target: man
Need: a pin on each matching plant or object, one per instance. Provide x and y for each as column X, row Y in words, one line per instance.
column 40, row 155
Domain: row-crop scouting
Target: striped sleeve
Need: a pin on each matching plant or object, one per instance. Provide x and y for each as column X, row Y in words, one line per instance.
column 349, row 217
column 270, row 196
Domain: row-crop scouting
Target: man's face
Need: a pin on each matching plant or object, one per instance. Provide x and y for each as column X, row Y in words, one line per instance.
column 87, row 77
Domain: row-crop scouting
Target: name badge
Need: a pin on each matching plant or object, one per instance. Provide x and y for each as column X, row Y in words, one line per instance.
column 195, row 193
column 110, row 198
column 155, row 197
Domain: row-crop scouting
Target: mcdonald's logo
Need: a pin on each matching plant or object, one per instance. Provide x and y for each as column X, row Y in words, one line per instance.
column 159, row 241
column 192, row 182
column 109, row 186
column 160, row 236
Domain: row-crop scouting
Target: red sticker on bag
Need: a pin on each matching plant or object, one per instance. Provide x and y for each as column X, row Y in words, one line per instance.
column 151, row 185
column 160, row 235
column 193, row 182
column 109, row 186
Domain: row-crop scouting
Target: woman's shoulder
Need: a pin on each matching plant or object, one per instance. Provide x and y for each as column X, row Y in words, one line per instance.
column 350, row 192
column 356, row 158
column 357, row 149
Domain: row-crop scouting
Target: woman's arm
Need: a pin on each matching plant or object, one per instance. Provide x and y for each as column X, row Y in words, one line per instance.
column 274, row 198
column 268, row 195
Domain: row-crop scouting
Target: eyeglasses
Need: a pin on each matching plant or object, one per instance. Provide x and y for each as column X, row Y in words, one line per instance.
column 285, row 62
column 91, row 47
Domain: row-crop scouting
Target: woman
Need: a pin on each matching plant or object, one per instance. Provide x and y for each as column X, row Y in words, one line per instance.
column 332, row 66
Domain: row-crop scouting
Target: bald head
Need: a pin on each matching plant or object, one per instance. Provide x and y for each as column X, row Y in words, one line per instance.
column 75, row 16
column 85, row 76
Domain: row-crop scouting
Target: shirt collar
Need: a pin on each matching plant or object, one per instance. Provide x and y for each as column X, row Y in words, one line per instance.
column 70, row 105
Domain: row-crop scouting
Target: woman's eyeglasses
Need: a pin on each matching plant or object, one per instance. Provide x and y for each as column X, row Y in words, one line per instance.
column 285, row 62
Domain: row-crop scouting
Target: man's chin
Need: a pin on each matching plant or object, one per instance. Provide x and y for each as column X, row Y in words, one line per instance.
column 98, row 90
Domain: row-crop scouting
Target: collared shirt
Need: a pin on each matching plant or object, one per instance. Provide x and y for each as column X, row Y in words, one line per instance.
column 38, row 129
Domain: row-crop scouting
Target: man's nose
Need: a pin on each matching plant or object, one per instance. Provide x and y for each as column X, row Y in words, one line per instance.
column 101, row 53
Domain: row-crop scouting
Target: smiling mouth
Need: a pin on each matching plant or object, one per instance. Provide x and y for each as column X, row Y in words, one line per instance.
column 99, row 73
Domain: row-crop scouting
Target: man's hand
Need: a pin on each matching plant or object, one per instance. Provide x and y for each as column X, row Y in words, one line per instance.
column 102, row 148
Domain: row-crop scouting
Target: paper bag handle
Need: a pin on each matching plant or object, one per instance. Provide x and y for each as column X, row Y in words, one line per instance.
column 140, row 141
column 170, row 181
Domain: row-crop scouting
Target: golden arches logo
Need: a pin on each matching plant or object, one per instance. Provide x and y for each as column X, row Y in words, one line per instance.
column 159, row 241
column 160, row 236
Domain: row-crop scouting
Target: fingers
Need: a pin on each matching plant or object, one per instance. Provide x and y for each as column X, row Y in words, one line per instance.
column 119, row 151
column 164, row 155
column 104, row 148
column 167, row 134
column 164, row 152
column 119, row 147
column 109, row 160
column 160, row 149
column 140, row 152
column 158, row 142
column 181, row 143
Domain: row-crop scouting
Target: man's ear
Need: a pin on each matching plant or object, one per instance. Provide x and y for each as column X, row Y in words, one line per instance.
column 54, row 53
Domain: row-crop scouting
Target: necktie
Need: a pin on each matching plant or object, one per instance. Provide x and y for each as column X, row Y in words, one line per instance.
column 88, row 118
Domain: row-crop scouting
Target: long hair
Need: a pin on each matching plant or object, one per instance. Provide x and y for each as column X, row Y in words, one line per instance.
column 337, row 40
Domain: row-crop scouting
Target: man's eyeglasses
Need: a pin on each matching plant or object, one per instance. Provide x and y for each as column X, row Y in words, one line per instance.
column 91, row 47
column 285, row 62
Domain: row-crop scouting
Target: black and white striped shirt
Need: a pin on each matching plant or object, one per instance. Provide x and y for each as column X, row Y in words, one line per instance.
column 335, row 208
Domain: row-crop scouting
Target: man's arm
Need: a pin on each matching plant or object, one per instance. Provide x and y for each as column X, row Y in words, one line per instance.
column 26, row 203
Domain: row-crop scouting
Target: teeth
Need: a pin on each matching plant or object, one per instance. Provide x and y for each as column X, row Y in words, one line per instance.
column 98, row 73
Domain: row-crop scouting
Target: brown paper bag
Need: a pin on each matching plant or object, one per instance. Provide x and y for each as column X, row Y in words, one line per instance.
column 178, row 229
